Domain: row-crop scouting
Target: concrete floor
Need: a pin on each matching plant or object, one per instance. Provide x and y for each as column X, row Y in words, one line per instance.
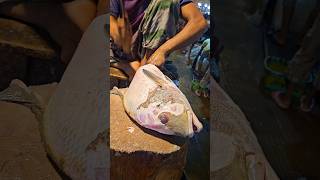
column 198, row 158
column 290, row 139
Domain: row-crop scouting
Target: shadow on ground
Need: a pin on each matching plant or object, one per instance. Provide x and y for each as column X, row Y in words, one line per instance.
column 198, row 158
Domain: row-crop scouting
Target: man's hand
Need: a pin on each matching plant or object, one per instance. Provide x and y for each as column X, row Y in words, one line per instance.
column 192, row 31
column 120, row 32
column 158, row 58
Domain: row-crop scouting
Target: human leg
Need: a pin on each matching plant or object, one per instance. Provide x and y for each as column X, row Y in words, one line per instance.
column 288, row 10
column 301, row 64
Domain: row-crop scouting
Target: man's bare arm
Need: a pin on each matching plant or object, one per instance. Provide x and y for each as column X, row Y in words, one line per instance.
column 193, row 30
column 120, row 32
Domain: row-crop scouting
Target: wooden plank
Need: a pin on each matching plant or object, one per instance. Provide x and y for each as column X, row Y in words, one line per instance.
column 116, row 73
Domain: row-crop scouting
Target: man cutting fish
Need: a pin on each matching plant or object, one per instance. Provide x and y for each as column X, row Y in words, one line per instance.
column 146, row 32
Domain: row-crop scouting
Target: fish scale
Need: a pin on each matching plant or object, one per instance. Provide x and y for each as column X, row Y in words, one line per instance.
column 159, row 94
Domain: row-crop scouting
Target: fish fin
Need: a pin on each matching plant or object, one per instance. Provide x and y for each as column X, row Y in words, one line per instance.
column 154, row 77
column 115, row 90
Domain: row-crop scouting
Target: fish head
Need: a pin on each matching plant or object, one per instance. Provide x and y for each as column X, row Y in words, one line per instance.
column 178, row 124
column 178, row 120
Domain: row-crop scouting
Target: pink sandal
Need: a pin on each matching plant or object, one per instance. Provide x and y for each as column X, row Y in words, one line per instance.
column 276, row 97
column 303, row 107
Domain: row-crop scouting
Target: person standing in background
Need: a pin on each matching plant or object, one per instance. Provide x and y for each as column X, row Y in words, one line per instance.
column 299, row 68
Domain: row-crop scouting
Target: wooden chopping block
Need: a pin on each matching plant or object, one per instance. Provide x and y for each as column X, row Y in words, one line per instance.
column 117, row 78
column 116, row 73
column 138, row 153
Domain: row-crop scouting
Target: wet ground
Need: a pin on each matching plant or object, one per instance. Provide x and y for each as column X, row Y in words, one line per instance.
column 290, row 139
column 198, row 159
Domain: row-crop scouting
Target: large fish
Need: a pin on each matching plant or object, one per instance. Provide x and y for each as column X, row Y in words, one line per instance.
column 156, row 103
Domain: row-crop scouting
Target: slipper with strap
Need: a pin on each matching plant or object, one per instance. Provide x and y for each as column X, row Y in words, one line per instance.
column 206, row 93
column 276, row 96
column 195, row 87
column 304, row 107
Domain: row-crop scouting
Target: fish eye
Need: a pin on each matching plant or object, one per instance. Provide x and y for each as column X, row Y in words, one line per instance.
column 164, row 118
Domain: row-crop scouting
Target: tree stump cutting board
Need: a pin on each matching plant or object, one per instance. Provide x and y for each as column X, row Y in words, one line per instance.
column 139, row 153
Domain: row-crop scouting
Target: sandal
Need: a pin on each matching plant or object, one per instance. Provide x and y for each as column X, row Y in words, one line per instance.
column 276, row 97
column 206, row 92
column 195, row 87
column 198, row 92
column 303, row 107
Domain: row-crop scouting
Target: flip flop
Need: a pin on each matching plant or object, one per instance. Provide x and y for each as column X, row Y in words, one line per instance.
column 308, row 109
column 198, row 92
column 276, row 97
column 206, row 93
column 195, row 87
